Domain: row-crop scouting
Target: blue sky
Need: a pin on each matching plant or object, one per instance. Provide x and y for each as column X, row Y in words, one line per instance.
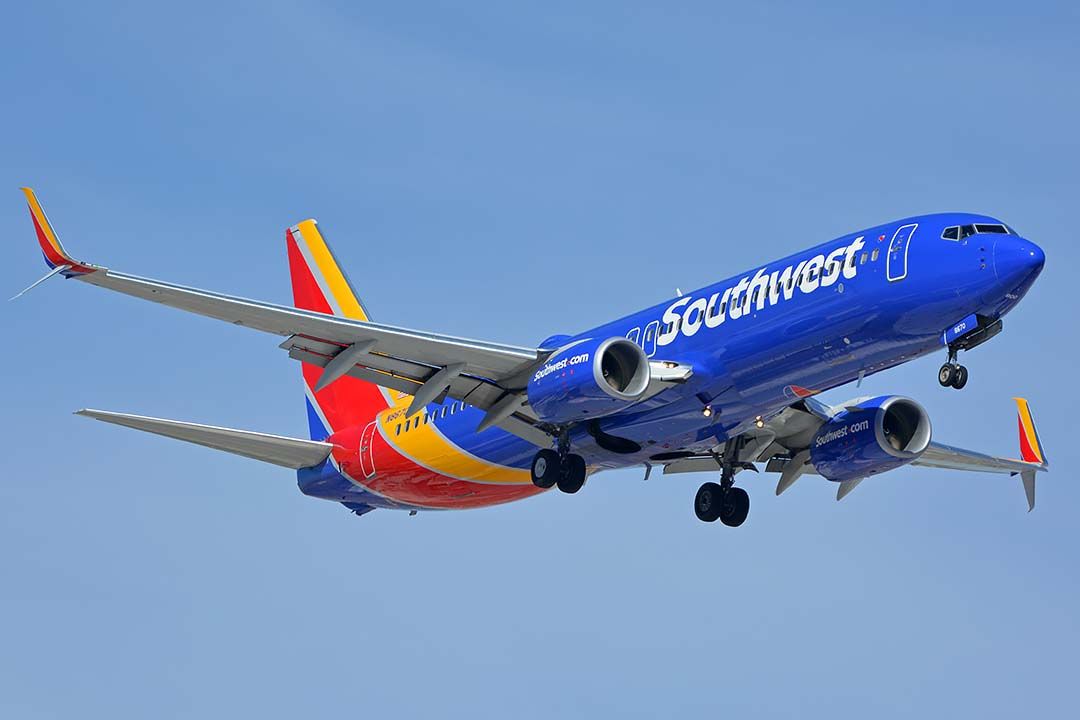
column 510, row 172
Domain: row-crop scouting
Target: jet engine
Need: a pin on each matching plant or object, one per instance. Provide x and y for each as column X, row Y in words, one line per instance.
column 588, row 379
column 875, row 435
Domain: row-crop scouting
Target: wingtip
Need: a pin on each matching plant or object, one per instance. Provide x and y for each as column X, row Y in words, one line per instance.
column 55, row 254
column 1031, row 446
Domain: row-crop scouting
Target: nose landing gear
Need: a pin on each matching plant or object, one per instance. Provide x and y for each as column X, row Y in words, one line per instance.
column 953, row 374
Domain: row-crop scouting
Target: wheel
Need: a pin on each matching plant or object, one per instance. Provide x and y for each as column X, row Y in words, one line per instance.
column 707, row 502
column 572, row 476
column 946, row 374
column 960, row 377
column 734, row 507
column 545, row 469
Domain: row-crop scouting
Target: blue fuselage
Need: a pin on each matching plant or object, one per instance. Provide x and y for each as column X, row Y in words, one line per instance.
column 812, row 321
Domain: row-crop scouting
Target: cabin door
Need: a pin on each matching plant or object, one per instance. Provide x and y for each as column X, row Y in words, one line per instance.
column 896, row 261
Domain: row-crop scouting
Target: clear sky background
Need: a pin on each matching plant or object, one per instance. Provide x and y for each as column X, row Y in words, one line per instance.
column 508, row 172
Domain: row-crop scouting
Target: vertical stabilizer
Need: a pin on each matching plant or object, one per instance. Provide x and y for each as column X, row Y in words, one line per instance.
column 319, row 284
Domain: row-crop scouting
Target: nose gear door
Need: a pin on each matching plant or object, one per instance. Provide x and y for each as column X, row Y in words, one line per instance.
column 897, row 260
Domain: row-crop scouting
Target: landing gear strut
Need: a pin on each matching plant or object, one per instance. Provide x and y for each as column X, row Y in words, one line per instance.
column 952, row 374
column 724, row 502
column 559, row 467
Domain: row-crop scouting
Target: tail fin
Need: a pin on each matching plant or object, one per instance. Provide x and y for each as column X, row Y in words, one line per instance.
column 319, row 284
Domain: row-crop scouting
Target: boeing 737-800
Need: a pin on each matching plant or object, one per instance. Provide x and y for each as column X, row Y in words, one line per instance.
column 718, row 380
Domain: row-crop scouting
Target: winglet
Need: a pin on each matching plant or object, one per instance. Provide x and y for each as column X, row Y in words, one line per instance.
column 55, row 255
column 1031, row 449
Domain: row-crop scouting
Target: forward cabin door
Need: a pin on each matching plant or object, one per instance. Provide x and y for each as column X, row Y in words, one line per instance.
column 896, row 261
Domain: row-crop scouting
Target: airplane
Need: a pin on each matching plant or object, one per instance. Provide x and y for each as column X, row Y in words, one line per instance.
column 718, row 380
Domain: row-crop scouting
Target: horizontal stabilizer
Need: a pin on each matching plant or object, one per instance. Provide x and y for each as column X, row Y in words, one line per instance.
column 284, row 451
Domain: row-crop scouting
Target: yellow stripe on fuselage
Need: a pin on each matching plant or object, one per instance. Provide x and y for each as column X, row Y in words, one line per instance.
column 425, row 445
column 328, row 269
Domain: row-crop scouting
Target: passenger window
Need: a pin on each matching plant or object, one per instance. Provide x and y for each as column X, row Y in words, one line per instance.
column 397, row 431
column 951, row 233
column 862, row 259
column 874, row 255
column 442, row 413
column 416, row 423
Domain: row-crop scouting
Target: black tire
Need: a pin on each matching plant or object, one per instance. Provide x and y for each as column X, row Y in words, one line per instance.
column 573, row 474
column 546, row 469
column 946, row 375
column 735, row 507
column 708, row 502
column 960, row 377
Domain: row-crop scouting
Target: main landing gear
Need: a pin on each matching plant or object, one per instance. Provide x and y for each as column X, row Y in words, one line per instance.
column 561, row 468
column 952, row 374
column 724, row 502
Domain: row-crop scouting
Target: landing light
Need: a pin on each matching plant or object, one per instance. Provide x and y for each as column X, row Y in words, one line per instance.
column 707, row 411
column 759, row 422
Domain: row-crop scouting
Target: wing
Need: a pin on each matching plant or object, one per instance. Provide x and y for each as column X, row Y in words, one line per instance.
column 429, row 366
column 1031, row 450
column 783, row 443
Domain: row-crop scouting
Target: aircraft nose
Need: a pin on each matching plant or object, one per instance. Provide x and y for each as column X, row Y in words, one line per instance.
column 1017, row 262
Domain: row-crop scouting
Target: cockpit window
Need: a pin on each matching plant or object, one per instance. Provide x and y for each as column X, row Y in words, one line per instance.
column 959, row 232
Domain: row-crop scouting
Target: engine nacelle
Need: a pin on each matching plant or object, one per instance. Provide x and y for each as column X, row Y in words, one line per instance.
column 589, row 379
column 874, row 436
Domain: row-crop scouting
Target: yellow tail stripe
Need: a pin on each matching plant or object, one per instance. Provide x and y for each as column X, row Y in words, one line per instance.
column 330, row 272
